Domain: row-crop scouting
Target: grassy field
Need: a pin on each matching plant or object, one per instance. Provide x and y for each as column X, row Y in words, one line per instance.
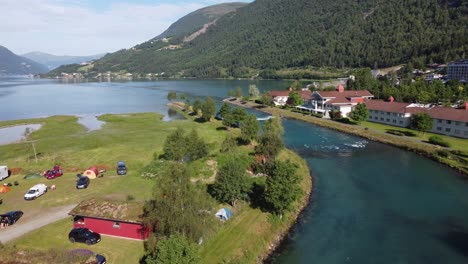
column 134, row 138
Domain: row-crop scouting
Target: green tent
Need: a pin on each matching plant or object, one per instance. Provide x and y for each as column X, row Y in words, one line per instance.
column 32, row 176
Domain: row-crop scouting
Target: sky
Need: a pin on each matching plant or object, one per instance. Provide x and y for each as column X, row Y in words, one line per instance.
column 88, row 27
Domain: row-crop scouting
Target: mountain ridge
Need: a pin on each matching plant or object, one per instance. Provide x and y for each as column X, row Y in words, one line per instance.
column 52, row 61
column 12, row 64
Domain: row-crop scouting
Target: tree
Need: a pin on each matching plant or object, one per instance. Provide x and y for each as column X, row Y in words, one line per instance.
column 282, row 187
column 296, row 85
column 197, row 148
column 269, row 145
column 182, row 96
column 171, row 96
column 208, row 109
column 177, row 207
column 253, row 91
column 295, row 99
column 238, row 92
column 175, row 146
column 239, row 115
column 249, row 128
column 421, row 122
column 197, row 106
column 359, row 113
column 228, row 145
column 231, row 93
column 225, row 109
column 273, row 125
column 231, row 182
column 267, row 99
column 175, row 249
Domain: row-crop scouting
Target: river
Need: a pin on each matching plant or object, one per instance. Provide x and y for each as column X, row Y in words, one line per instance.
column 371, row 203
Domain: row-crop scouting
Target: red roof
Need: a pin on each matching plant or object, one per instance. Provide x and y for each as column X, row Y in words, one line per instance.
column 338, row 100
column 448, row 113
column 348, row 93
column 445, row 113
column 305, row 95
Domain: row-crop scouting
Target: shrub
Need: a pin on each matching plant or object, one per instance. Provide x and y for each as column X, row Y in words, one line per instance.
column 436, row 140
column 443, row 153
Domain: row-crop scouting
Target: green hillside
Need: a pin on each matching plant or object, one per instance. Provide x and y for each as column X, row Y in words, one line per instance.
column 276, row 34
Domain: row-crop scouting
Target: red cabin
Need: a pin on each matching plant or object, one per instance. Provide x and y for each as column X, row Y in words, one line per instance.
column 113, row 218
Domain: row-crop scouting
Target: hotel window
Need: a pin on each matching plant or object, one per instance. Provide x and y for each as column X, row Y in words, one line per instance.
column 382, row 119
column 457, row 123
column 116, row 225
column 394, row 114
column 401, row 122
column 439, row 121
column 394, row 121
column 439, row 129
column 449, row 122
column 376, row 118
column 457, row 131
column 388, row 119
column 388, row 113
column 447, row 129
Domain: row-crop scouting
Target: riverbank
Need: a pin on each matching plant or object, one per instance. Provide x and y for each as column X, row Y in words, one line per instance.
column 254, row 236
column 459, row 162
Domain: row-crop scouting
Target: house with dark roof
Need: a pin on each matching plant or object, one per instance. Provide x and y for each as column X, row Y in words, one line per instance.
column 339, row 100
column 445, row 120
column 112, row 218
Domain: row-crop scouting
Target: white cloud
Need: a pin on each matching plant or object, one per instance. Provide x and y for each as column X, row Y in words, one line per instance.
column 73, row 28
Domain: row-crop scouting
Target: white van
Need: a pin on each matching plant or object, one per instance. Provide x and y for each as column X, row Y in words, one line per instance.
column 4, row 173
column 35, row 191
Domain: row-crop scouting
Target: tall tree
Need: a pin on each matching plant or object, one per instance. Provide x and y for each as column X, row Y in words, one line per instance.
column 359, row 113
column 208, row 109
column 238, row 92
column 282, row 186
column 421, row 122
column 253, row 91
column 178, row 207
column 267, row 99
column 197, row 148
column 295, row 99
column 175, row 146
column 231, row 182
column 197, row 106
column 296, row 85
column 225, row 109
column 249, row 128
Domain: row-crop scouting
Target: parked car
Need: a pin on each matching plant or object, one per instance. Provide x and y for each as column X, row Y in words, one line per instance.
column 84, row 235
column 121, row 168
column 82, row 182
column 11, row 217
column 35, row 191
column 53, row 173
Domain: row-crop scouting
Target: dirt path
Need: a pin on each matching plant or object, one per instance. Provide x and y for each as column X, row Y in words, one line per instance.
column 28, row 225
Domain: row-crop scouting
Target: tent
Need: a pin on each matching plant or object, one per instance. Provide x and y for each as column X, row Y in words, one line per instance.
column 224, row 214
column 4, row 189
column 32, row 176
column 91, row 173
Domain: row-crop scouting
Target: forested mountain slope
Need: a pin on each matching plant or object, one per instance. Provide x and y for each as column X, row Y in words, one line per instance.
column 274, row 34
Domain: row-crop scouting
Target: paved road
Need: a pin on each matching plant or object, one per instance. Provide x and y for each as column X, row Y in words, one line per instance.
column 23, row 227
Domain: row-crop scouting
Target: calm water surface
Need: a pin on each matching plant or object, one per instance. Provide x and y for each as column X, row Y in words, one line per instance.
column 371, row 203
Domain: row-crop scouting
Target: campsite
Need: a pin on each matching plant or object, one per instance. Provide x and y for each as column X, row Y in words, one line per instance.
column 137, row 139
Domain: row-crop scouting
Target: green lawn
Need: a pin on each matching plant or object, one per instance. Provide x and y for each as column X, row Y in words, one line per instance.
column 133, row 138
column 456, row 143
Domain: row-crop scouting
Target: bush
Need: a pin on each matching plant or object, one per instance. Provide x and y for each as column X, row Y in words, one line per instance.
column 395, row 132
column 436, row 140
column 443, row 153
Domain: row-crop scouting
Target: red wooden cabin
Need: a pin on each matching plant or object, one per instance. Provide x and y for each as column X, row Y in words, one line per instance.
column 113, row 218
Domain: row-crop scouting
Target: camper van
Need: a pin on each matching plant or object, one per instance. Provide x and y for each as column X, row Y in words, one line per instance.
column 4, row 172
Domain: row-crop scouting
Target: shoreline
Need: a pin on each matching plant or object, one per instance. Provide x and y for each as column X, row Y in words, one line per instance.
column 280, row 237
column 426, row 150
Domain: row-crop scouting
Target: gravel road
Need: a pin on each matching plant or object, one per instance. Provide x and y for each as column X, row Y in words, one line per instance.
column 22, row 227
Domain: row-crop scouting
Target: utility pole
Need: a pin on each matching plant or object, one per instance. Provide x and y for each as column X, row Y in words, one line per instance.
column 34, row 148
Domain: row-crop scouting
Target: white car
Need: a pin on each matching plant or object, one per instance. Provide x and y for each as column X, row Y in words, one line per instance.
column 35, row 191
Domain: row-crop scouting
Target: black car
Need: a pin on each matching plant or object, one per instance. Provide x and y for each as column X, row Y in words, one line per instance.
column 82, row 182
column 84, row 235
column 11, row 217
column 121, row 168
column 100, row 259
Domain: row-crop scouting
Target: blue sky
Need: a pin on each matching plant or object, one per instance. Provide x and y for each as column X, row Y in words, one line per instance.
column 87, row 27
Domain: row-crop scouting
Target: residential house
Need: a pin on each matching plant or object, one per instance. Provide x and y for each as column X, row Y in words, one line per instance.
column 339, row 100
column 112, row 218
column 445, row 120
column 280, row 98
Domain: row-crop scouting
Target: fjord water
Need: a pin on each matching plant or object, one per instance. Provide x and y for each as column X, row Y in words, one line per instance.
column 371, row 203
